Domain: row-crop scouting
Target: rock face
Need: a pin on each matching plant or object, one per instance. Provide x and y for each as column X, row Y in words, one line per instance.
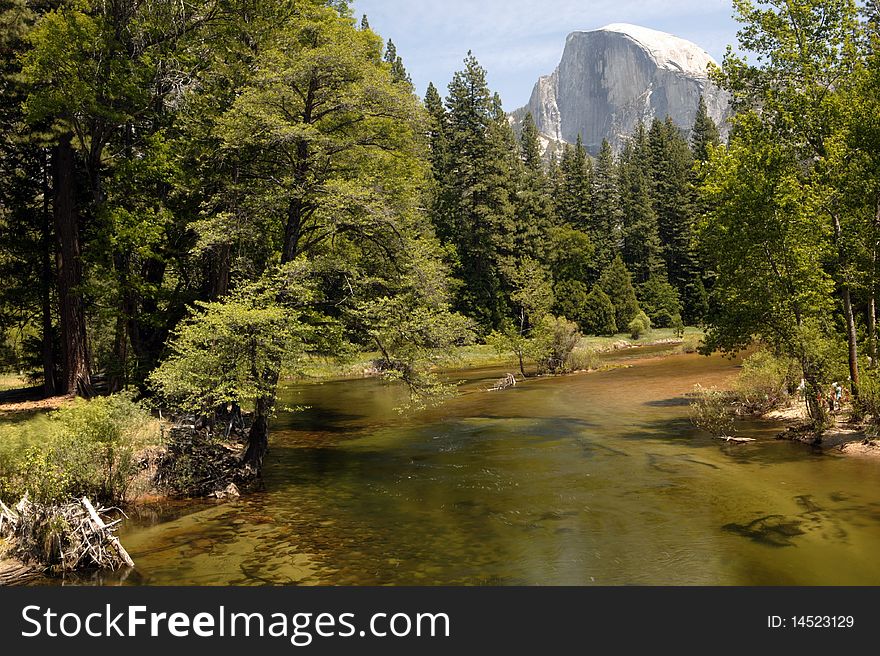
column 613, row 78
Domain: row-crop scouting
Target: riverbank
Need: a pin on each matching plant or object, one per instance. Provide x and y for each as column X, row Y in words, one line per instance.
column 478, row 356
column 843, row 436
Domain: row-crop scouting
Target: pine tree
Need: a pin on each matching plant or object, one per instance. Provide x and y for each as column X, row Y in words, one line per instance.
column 641, row 249
column 704, row 133
column 534, row 204
column 674, row 203
column 604, row 225
column 598, row 313
column 398, row 70
column 476, row 193
column 616, row 282
column 574, row 193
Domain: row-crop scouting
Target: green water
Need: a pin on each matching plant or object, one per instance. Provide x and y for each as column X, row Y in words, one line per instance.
column 585, row 479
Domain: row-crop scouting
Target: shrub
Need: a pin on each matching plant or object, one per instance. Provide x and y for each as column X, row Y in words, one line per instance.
column 555, row 339
column 765, row 380
column 868, row 404
column 88, row 449
column 691, row 344
column 710, row 411
column 639, row 326
column 677, row 325
column 659, row 300
column 583, row 359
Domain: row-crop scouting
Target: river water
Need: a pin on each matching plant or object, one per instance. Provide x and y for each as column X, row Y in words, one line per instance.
column 578, row 480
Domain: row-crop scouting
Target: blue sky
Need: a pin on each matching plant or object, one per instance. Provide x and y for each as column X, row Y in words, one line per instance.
column 517, row 41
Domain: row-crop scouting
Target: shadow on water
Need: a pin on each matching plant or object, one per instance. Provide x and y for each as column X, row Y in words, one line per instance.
column 771, row 530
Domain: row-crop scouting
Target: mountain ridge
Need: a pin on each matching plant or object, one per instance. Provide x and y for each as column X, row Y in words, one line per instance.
column 612, row 78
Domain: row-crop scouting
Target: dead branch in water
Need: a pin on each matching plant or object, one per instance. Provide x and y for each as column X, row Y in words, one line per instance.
column 63, row 538
column 737, row 440
column 508, row 381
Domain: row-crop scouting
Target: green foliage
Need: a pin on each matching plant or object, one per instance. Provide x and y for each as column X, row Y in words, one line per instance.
column 570, row 254
column 641, row 249
column 598, row 314
column 555, row 339
column 616, row 282
column 572, row 301
column 765, row 381
column 583, row 359
column 678, row 325
column 704, row 133
column 232, row 350
column 659, row 299
column 87, row 448
column 639, row 326
column 710, row 411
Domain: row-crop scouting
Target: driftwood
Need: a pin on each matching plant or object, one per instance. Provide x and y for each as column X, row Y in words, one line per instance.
column 737, row 440
column 63, row 538
column 508, row 381
column 16, row 573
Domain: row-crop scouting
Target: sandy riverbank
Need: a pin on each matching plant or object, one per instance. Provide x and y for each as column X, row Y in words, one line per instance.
column 844, row 436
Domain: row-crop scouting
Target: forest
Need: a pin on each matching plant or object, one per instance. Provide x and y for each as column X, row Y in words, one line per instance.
column 198, row 197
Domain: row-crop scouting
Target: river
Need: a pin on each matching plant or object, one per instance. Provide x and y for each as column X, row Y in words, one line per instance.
column 589, row 479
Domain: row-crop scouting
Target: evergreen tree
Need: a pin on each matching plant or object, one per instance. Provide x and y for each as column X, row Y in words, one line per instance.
column 571, row 301
column 674, row 203
column 641, row 249
column 598, row 315
column 476, row 194
column 616, row 282
column 534, row 204
column 605, row 225
column 704, row 133
column 398, row 70
column 574, row 193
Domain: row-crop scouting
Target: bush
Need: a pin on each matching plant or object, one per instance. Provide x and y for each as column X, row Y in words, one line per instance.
column 639, row 326
column 88, row 449
column 691, row 344
column 555, row 339
column 868, row 404
column 678, row 325
column 583, row 359
column 659, row 300
column 765, row 381
column 710, row 411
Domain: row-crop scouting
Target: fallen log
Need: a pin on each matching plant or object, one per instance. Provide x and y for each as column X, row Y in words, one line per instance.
column 105, row 529
column 508, row 381
column 16, row 573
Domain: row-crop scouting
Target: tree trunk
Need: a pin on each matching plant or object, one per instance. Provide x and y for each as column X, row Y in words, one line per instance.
column 852, row 341
column 258, row 436
column 851, row 334
column 872, row 292
column 77, row 373
column 872, row 326
column 47, row 251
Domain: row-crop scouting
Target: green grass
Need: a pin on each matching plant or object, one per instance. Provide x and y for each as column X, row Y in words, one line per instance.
column 598, row 343
column 477, row 356
column 11, row 381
